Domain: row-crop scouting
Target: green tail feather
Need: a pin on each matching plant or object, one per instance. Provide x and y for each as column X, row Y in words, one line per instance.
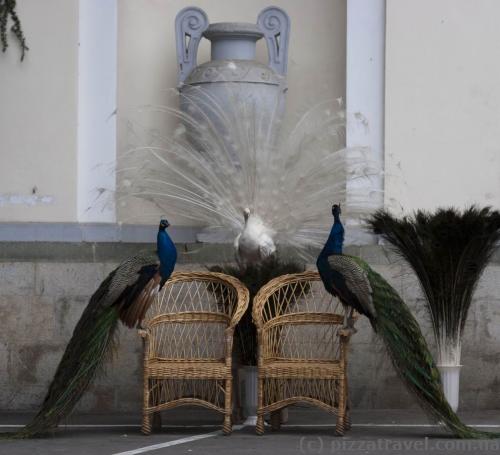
column 89, row 345
column 411, row 356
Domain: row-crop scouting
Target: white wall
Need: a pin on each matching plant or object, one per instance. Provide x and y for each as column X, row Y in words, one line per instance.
column 442, row 94
column 147, row 65
column 442, row 103
column 39, row 97
column 38, row 115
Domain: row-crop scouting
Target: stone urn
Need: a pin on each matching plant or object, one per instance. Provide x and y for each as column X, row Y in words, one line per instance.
column 232, row 84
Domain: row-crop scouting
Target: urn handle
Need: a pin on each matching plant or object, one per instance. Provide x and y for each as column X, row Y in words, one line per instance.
column 275, row 24
column 190, row 23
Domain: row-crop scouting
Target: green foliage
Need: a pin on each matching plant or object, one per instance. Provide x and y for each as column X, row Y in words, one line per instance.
column 254, row 277
column 8, row 8
column 448, row 251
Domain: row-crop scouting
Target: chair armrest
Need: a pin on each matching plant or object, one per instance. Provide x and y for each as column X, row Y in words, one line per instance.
column 346, row 334
column 144, row 334
column 243, row 298
column 344, row 339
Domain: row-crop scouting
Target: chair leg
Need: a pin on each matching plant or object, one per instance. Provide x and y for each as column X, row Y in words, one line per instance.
column 339, row 428
column 146, row 416
column 227, row 427
column 146, row 424
column 259, row 428
column 347, row 419
column 276, row 420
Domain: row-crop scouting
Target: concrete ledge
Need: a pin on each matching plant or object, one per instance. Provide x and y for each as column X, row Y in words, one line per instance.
column 107, row 252
column 113, row 242
column 189, row 252
column 117, row 251
column 44, row 291
column 90, row 232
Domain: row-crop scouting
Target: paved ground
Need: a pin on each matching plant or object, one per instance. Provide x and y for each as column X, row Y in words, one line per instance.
column 310, row 432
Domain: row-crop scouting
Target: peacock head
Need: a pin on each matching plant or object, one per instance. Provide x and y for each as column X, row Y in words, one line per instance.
column 164, row 224
column 246, row 214
column 336, row 210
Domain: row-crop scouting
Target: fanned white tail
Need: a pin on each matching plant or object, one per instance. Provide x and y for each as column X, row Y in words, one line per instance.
column 214, row 166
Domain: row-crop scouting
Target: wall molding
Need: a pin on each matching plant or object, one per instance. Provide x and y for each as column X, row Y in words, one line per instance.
column 91, row 232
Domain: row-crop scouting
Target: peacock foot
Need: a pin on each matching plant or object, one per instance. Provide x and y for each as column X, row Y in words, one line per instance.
column 347, row 331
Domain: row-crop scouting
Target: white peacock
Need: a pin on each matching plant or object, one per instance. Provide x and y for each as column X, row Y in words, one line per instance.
column 248, row 177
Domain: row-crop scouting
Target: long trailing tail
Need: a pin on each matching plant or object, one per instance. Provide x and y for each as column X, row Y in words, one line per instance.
column 89, row 345
column 411, row 356
column 124, row 295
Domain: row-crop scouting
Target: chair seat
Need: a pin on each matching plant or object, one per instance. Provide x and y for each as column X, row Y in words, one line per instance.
column 167, row 369
column 302, row 369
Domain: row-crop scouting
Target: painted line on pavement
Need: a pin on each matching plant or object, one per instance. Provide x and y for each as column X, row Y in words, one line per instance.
column 169, row 443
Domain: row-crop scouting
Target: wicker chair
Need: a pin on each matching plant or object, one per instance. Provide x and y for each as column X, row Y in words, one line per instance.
column 188, row 339
column 302, row 348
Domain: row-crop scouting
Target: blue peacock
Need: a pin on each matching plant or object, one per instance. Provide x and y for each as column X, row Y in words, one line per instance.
column 360, row 288
column 124, row 295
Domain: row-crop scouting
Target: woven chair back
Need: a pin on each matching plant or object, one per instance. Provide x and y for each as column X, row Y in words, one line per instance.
column 189, row 316
column 298, row 319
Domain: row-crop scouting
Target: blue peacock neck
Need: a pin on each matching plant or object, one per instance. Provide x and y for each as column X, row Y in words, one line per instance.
column 335, row 240
column 167, row 253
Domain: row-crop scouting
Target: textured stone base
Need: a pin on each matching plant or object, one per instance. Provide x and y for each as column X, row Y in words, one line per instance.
column 42, row 297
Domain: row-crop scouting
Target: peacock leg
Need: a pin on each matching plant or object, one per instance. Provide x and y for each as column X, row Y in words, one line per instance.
column 348, row 328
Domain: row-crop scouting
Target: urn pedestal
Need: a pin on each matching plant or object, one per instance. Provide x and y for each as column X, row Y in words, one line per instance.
column 248, row 384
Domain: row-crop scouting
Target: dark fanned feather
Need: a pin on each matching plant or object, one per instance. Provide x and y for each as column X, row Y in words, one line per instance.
column 448, row 250
column 122, row 295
